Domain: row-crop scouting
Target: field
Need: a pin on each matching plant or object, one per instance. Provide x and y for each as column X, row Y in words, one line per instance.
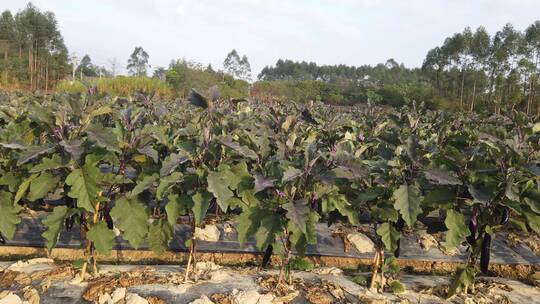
column 109, row 167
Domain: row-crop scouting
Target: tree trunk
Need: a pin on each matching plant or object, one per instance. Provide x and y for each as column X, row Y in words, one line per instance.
column 462, row 87
column 473, row 96
column 530, row 97
column 47, row 75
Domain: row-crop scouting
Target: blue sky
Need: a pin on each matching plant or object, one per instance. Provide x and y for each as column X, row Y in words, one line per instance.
column 352, row 32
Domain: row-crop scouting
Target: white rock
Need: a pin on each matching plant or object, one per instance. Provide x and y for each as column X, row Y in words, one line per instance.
column 427, row 241
column 209, row 233
column 31, row 265
column 361, row 242
column 328, row 271
column 202, row 300
column 221, row 276
column 251, row 297
column 105, row 299
column 11, row 298
column 132, row 298
column 118, row 294
column 206, row 266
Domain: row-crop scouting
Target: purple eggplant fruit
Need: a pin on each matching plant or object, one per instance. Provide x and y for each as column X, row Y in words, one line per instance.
column 473, row 228
column 2, row 239
column 267, row 256
column 397, row 251
column 484, row 253
column 69, row 222
column 400, row 224
column 108, row 219
column 505, row 215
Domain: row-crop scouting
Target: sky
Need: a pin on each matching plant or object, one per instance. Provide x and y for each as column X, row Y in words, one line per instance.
column 352, row 32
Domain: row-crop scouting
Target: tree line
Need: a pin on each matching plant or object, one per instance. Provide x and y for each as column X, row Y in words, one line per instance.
column 499, row 71
column 33, row 51
column 469, row 70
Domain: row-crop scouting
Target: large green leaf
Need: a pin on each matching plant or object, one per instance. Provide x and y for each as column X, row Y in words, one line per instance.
column 172, row 162
column 165, row 183
column 55, row 162
column 457, row 229
column 102, row 237
column 10, row 180
column 23, row 187
column 42, row 185
column 159, row 236
column 54, row 223
column 335, row 201
column 248, row 223
column 178, row 205
column 201, row 202
column 297, row 212
column 407, row 202
column 31, row 153
column 8, row 215
column 269, row 227
column 242, row 150
column 143, row 184
column 218, row 184
column 84, row 186
column 389, row 236
column 441, row 177
column 104, row 137
column 132, row 219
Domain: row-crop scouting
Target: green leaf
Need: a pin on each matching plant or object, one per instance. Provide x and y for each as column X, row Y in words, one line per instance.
column 131, row 217
column 102, row 237
column 248, row 223
column 144, row 184
column 290, row 174
column 407, row 202
column 389, row 236
column 242, row 150
column 218, row 184
column 534, row 221
column 159, row 236
column 297, row 212
column 150, row 152
column 42, row 185
column 31, row 153
column 53, row 163
column 334, row 200
column 457, row 229
column 481, row 194
column 8, row 215
column 201, row 202
column 54, row 223
column 10, row 180
column 84, row 186
column 463, row 279
column 165, row 183
column 171, row 162
column 441, row 177
column 177, row 206
column 23, row 187
column 269, row 227
column 104, row 137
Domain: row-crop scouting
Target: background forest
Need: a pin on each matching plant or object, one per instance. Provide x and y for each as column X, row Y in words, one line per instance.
column 471, row 70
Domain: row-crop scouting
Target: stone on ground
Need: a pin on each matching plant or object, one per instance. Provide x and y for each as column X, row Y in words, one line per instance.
column 361, row 242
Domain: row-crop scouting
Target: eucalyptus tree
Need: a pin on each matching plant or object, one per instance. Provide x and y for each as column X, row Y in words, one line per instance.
column 138, row 62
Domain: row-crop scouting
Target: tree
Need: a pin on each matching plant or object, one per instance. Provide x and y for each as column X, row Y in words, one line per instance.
column 236, row 66
column 87, row 68
column 138, row 62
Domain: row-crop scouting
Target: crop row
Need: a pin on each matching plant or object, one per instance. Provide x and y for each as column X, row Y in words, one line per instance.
column 278, row 168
